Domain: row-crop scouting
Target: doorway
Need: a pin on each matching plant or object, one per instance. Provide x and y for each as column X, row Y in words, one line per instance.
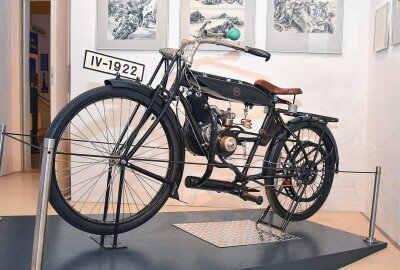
column 39, row 76
column 46, row 70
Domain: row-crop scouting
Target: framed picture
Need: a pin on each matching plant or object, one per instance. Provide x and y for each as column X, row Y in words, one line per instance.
column 132, row 24
column 222, row 15
column 311, row 26
column 381, row 33
column 396, row 22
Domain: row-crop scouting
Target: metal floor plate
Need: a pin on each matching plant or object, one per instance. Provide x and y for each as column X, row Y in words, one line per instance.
column 235, row 233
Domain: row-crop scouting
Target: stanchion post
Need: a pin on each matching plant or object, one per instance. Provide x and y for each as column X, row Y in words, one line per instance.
column 41, row 216
column 370, row 239
column 2, row 137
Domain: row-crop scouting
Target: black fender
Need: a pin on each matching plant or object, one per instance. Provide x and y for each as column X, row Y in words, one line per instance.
column 307, row 118
column 149, row 92
column 328, row 132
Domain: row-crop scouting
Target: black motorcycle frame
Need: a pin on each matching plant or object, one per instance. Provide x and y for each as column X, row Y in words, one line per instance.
column 273, row 124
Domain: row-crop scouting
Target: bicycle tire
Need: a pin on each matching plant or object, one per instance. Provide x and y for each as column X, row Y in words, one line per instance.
column 272, row 159
column 61, row 204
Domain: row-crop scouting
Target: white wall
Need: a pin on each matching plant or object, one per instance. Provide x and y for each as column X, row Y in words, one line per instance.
column 383, row 128
column 333, row 85
column 59, row 62
column 4, row 74
column 4, row 71
column 10, row 77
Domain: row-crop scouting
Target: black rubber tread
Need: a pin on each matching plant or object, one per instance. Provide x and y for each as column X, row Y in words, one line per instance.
column 272, row 157
column 172, row 131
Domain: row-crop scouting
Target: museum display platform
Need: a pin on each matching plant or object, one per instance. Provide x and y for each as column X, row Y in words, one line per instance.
column 159, row 244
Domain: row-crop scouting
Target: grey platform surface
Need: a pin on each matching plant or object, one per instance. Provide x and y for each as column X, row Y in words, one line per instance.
column 159, row 245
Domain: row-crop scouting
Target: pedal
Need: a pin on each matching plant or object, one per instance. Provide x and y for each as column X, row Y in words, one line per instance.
column 191, row 181
column 253, row 198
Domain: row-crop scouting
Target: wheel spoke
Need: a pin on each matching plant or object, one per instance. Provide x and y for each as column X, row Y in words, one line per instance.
column 309, row 155
column 90, row 147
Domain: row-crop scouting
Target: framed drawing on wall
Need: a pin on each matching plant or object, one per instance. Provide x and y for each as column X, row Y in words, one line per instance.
column 396, row 22
column 311, row 26
column 222, row 15
column 381, row 31
column 132, row 24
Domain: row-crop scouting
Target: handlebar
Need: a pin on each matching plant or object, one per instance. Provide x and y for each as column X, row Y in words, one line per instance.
column 234, row 34
column 206, row 37
column 259, row 53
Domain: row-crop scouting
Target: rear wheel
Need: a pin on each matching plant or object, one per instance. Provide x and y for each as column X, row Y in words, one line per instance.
column 310, row 141
column 87, row 169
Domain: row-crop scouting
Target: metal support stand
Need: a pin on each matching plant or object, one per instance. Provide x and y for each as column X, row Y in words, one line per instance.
column 288, row 216
column 282, row 227
column 108, row 241
column 370, row 239
column 2, row 136
column 43, row 199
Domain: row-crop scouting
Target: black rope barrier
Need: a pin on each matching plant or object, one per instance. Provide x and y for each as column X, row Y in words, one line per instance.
column 21, row 141
column 48, row 155
column 218, row 165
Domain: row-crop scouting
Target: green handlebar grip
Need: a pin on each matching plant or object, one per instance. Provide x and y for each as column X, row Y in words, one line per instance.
column 233, row 34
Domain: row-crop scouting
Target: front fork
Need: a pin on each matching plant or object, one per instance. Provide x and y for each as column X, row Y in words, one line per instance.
column 128, row 153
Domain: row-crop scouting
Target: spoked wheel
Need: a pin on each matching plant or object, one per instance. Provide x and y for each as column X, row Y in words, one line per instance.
column 90, row 136
column 312, row 160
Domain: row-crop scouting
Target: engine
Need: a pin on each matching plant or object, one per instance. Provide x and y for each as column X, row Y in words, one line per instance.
column 226, row 138
column 227, row 143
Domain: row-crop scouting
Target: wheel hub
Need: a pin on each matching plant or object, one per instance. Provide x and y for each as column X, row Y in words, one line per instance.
column 117, row 161
column 310, row 173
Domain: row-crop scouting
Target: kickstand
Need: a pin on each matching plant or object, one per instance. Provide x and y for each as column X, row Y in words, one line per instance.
column 288, row 217
column 262, row 220
column 107, row 241
column 111, row 241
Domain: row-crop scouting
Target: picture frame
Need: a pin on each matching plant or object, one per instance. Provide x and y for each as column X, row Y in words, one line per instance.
column 317, row 28
column 381, row 30
column 223, row 15
column 395, row 22
column 132, row 25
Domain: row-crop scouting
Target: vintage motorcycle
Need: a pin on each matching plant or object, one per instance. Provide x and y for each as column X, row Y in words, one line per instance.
column 222, row 28
column 120, row 148
column 196, row 17
column 236, row 21
column 129, row 26
column 149, row 18
column 305, row 17
column 216, row 2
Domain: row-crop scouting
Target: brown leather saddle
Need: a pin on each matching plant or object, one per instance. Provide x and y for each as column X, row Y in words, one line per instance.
column 273, row 89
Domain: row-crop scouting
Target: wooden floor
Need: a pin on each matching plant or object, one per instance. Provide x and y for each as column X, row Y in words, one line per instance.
column 18, row 197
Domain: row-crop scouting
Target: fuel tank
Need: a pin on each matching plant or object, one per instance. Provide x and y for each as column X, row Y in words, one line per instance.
column 230, row 89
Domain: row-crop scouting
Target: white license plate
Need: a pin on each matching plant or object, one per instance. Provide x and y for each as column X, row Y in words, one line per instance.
column 113, row 65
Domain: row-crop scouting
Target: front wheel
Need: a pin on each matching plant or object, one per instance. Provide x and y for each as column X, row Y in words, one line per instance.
column 90, row 133
column 307, row 150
